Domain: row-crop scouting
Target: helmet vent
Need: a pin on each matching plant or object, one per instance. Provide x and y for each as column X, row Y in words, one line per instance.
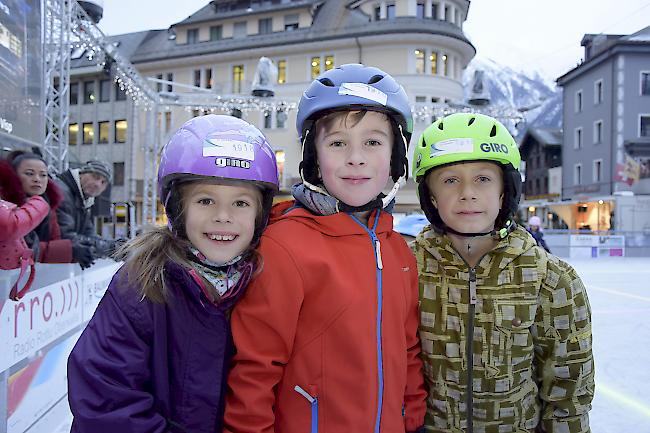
column 441, row 126
column 471, row 120
column 493, row 132
column 327, row 82
column 375, row 79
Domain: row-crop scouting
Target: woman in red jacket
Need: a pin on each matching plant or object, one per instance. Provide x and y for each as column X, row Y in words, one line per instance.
column 24, row 176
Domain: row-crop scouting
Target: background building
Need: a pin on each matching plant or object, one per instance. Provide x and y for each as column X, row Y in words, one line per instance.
column 606, row 105
column 216, row 51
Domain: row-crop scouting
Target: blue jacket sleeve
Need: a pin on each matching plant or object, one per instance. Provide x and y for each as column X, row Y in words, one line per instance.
column 108, row 375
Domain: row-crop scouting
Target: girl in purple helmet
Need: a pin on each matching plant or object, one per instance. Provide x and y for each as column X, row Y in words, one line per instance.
column 155, row 355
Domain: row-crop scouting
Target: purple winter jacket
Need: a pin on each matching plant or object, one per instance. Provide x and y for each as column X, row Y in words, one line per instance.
column 143, row 367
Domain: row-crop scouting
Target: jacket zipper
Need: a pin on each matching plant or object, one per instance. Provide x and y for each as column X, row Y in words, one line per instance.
column 470, row 353
column 313, row 402
column 379, row 265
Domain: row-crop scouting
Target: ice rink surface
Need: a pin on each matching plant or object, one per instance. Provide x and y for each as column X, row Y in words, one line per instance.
column 619, row 294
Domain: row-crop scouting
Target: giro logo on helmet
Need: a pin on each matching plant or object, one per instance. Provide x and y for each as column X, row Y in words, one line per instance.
column 494, row 147
column 230, row 162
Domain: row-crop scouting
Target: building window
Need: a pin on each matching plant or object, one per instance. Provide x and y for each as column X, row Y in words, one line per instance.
column 268, row 120
column 434, row 11
column 390, row 12
column 329, row 62
column 170, row 78
column 208, row 78
column 237, row 78
column 644, row 126
column 577, row 138
column 578, row 102
column 419, row 61
column 433, row 58
column 216, row 33
column 74, row 93
column 120, row 131
column 282, row 71
column 265, row 26
column 89, row 133
column 315, row 67
column 158, row 83
column 89, row 92
column 104, row 90
column 645, row 83
column 598, row 92
column 420, row 99
column 291, row 22
column 279, row 159
column 118, row 174
column 377, row 13
column 168, row 121
column 281, row 119
column 577, row 174
column 197, row 78
column 419, row 11
column 103, row 132
column 445, row 65
column 239, row 30
column 120, row 95
column 73, row 131
column 598, row 132
column 192, row 36
column 598, row 171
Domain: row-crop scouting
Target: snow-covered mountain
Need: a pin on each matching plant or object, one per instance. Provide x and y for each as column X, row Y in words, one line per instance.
column 537, row 97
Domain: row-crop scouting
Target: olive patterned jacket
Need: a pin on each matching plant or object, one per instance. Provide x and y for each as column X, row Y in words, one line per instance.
column 530, row 362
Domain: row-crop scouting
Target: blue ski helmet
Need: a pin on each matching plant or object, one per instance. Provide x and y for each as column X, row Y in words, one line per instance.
column 354, row 87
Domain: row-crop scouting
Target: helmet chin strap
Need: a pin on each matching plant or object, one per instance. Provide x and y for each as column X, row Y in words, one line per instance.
column 384, row 201
column 495, row 234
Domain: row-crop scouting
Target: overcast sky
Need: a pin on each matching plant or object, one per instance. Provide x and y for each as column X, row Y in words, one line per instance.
column 523, row 34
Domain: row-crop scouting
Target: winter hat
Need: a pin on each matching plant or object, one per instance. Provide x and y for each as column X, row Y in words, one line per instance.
column 535, row 221
column 99, row 167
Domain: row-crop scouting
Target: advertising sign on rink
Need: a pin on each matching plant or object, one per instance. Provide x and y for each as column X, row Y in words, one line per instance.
column 39, row 318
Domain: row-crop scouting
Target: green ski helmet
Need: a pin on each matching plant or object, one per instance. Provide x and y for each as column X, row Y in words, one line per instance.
column 465, row 137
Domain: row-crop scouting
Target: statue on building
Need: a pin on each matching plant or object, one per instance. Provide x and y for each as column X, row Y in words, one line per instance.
column 480, row 96
column 266, row 75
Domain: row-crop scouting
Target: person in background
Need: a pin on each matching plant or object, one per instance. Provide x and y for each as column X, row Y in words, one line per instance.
column 27, row 176
column 80, row 187
column 15, row 223
column 536, row 231
column 155, row 356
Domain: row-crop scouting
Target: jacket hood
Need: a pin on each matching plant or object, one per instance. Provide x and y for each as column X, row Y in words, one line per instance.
column 339, row 224
column 516, row 244
column 12, row 190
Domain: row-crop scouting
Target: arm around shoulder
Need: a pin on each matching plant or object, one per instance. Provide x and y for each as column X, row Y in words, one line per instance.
column 563, row 352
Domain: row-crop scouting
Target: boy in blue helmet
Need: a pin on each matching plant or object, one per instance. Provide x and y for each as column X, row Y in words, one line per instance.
column 327, row 336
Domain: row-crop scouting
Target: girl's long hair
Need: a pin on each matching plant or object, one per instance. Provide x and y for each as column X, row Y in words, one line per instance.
column 146, row 256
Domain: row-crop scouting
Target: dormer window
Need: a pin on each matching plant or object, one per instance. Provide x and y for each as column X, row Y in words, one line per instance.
column 239, row 30
column 216, row 33
column 192, row 36
column 291, row 22
column 265, row 26
column 390, row 12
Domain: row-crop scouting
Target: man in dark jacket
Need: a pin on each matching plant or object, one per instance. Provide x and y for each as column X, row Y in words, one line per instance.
column 80, row 187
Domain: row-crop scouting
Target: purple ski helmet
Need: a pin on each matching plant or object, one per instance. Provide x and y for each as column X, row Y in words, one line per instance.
column 218, row 146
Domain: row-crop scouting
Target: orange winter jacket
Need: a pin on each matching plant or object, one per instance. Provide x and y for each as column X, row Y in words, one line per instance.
column 326, row 335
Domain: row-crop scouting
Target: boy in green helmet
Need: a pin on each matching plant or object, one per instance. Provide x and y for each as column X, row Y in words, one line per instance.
column 497, row 312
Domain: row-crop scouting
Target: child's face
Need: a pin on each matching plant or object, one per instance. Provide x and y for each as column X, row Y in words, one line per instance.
column 468, row 196
column 354, row 160
column 220, row 219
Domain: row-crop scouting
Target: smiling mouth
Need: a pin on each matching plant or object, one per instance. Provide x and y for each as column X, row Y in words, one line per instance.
column 221, row 237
